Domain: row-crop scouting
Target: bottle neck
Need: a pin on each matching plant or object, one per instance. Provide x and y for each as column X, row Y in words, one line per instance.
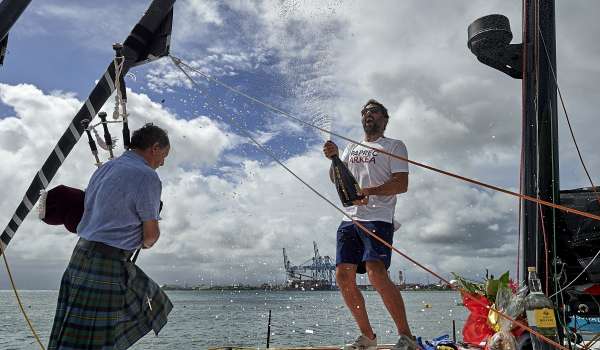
column 535, row 285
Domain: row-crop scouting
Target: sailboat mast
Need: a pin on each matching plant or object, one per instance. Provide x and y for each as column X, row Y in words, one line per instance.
column 10, row 10
column 540, row 175
column 533, row 61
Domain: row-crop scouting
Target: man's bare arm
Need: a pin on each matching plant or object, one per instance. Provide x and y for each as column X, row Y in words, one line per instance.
column 151, row 233
column 397, row 184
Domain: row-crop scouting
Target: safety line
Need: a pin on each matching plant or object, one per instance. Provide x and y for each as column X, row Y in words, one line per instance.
column 562, row 102
column 545, row 236
column 447, row 173
column 520, row 244
column 14, row 288
column 362, row 227
column 574, row 139
column 536, row 44
column 592, row 342
column 580, row 274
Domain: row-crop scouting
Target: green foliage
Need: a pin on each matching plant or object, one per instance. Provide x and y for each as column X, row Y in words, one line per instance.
column 489, row 288
column 468, row 286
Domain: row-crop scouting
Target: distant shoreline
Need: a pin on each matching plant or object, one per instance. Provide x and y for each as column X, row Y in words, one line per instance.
column 248, row 288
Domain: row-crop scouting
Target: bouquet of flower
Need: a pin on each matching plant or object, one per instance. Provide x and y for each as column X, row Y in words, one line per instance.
column 510, row 304
column 478, row 298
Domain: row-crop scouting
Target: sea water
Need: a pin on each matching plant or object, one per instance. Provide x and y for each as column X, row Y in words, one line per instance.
column 201, row 319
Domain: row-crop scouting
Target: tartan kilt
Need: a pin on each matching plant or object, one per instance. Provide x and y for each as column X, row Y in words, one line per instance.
column 106, row 303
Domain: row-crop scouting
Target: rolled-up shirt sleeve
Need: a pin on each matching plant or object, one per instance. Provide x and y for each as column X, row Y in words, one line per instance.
column 147, row 202
column 398, row 165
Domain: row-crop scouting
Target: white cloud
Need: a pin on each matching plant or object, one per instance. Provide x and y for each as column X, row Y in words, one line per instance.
column 207, row 11
column 39, row 120
column 452, row 111
column 213, row 222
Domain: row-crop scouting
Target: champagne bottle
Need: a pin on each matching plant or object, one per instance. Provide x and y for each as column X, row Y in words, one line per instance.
column 345, row 183
column 540, row 312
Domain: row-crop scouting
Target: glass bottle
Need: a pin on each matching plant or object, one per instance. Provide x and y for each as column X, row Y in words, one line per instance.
column 540, row 312
column 345, row 183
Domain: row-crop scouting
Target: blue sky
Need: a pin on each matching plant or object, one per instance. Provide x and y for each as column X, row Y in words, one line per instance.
column 54, row 52
column 228, row 208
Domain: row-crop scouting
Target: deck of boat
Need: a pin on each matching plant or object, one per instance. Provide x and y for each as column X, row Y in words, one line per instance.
column 379, row 347
column 595, row 346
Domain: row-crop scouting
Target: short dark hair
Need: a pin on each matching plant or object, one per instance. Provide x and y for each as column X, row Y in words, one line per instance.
column 377, row 103
column 149, row 134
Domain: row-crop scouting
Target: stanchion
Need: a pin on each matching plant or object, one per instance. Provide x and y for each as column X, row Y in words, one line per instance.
column 269, row 330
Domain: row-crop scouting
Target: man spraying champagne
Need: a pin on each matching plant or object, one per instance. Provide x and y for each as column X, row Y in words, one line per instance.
column 380, row 178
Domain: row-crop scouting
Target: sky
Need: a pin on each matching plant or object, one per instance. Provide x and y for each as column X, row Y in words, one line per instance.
column 228, row 208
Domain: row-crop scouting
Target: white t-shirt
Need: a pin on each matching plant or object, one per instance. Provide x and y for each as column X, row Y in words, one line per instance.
column 370, row 169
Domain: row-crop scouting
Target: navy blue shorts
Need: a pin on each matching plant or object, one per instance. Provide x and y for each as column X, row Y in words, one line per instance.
column 355, row 247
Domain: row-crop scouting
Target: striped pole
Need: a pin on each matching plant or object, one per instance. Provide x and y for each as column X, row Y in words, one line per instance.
column 149, row 40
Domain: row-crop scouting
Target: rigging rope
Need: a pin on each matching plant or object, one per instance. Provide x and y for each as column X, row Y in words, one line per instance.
column 562, row 102
column 447, row 173
column 575, row 143
column 178, row 64
column 118, row 69
column 19, row 302
column 580, row 274
column 518, row 269
column 545, row 236
column 555, row 192
column 522, row 163
column 119, row 62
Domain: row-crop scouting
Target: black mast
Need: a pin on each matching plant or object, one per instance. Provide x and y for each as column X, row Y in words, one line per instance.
column 547, row 133
column 529, row 157
column 10, row 10
column 533, row 61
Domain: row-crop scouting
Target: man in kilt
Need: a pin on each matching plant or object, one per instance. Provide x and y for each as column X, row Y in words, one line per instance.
column 105, row 300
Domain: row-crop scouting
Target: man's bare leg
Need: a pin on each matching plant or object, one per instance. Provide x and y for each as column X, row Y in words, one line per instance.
column 346, row 280
column 390, row 294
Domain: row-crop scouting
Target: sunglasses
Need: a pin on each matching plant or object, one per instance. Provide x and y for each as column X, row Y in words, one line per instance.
column 373, row 109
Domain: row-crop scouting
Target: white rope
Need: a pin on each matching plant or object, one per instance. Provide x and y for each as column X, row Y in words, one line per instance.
column 580, row 274
column 119, row 100
column 93, row 126
column 178, row 62
column 179, row 65
column 99, row 140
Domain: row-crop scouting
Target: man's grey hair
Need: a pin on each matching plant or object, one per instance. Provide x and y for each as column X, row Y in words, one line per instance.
column 148, row 135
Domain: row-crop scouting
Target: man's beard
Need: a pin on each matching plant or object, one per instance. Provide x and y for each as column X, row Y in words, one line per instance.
column 373, row 128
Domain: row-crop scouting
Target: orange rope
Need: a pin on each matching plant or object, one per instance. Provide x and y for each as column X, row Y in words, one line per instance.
column 522, row 162
column 483, row 184
column 488, row 307
column 542, row 223
column 562, row 102
column 177, row 62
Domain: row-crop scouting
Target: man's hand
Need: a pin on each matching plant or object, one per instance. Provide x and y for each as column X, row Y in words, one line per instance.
column 364, row 200
column 330, row 149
